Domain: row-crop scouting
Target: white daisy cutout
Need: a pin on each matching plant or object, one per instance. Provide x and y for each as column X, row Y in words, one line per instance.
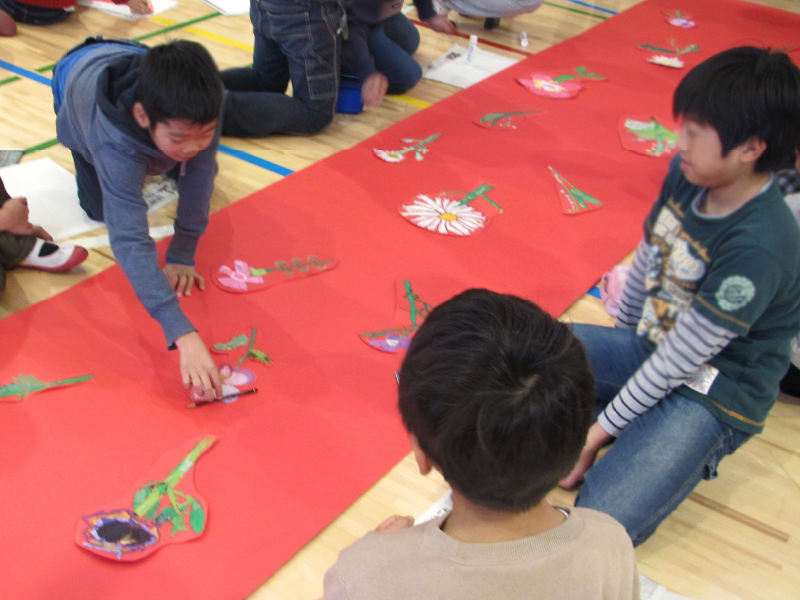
column 667, row 61
column 443, row 216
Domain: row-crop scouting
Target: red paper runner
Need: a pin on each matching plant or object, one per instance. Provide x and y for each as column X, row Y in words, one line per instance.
column 324, row 427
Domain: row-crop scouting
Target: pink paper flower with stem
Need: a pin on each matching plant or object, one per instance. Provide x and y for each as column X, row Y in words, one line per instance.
column 544, row 85
column 563, row 86
column 239, row 278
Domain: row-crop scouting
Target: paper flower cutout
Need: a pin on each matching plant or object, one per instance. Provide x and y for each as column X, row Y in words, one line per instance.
column 646, row 135
column 504, row 120
column 391, row 342
column 23, row 385
column 573, row 201
column 118, row 532
column 239, row 278
column 563, row 86
column 443, row 216
column 667, row 61
column 544, row 85
column 411, row 308
column 389, row 155
column 680, row 20
column 418, row 147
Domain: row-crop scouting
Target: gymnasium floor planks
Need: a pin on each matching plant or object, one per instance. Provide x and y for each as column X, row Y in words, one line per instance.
column 737, row 537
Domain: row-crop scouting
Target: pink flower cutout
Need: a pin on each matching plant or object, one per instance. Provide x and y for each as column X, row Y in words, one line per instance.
column 544, row 85
column 239, row 278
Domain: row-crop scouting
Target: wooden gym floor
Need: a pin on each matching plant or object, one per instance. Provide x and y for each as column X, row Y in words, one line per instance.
column 737, row 537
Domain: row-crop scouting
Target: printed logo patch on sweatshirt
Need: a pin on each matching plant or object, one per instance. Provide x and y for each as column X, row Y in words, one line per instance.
column 735, row 292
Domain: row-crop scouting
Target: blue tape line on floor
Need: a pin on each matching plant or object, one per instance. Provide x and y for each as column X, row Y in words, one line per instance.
column 592, row 6
column 255, row 160
column 25, row 73
column 595, row 291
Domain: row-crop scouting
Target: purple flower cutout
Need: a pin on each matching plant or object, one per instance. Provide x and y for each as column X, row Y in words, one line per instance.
column 239, row 278
column 391, row 342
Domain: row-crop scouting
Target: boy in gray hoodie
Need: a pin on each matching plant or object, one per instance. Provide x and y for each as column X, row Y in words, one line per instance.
column 127, row 111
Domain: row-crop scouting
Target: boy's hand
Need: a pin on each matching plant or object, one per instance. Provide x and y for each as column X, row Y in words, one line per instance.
column 395, row 523
column 441, row 24
column 14, row 217
column 197, row 367
column 374, row 89
column 140, row 7
column 597, row 438
column 39, row 232
column 182, row 278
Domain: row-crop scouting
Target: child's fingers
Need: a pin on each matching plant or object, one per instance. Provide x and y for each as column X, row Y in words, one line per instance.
column 201, row 283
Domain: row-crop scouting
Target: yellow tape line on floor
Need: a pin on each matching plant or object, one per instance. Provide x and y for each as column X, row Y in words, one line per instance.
column 205, row 34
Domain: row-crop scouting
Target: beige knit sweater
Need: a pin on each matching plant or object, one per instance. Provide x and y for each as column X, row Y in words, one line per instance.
column 589, row 556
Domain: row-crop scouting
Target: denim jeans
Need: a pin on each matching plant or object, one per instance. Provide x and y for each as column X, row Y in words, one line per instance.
column 392, row 43
column 295, row 40
column 33, row 15
column 662, row 455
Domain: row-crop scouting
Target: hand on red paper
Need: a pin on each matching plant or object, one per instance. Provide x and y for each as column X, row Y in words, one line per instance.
column 182, row 278
column 395, row 523
column 14, row 217
column 374, row 89
column 441, row 24
column 140, row 7
column 197, row 367
column 597, row 438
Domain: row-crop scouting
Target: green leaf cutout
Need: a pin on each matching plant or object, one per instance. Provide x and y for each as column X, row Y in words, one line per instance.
column 237, row 342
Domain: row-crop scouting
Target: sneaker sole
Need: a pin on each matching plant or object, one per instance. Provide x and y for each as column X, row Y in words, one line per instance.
column 79, row 254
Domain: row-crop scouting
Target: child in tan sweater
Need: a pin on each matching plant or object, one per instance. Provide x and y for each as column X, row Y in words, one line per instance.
column 497, row 396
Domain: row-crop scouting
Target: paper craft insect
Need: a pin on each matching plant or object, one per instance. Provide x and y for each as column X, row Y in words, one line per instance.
column 669, row 61
column 156, row 514
column 22, row 385
column 504, row 120
column 243, row 278
column 462, row 216
column 680, row 20
column 573, row 200
column 418, row 147
column 646, row 135
column 399, row 338
column 563, row 86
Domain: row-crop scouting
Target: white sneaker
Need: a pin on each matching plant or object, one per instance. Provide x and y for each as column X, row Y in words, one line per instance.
column 63, row 259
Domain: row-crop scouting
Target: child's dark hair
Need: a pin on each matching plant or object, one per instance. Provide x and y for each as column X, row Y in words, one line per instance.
column 499, row 396
column 742, row 93
column 179, row 80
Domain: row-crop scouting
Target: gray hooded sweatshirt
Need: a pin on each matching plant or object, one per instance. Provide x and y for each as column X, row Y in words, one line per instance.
column 95, row 120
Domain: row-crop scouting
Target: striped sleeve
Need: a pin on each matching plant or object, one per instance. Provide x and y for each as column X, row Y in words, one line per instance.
column 630, row 307
column 693, row 341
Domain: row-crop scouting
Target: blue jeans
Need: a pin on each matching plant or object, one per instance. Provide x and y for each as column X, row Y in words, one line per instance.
column 295, row 40
column 662, row 455
column 33, row 15
column 392, row 43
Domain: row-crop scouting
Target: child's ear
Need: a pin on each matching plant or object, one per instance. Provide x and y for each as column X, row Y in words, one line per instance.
column 140, row 115
column 752, row 149
column 423, row 462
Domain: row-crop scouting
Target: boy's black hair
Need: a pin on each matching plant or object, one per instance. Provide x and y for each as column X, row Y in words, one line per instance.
column 742, row 93
column 500, row 397
column 179, row 80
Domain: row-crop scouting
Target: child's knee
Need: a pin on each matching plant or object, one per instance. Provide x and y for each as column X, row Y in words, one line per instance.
column 403, row 82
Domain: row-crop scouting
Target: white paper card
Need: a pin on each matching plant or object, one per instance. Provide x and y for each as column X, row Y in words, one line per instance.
column 100, row 241
column 702, row 379
column 122, row 10
column 230, row 8
column 453, row 69
column 52, row 197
